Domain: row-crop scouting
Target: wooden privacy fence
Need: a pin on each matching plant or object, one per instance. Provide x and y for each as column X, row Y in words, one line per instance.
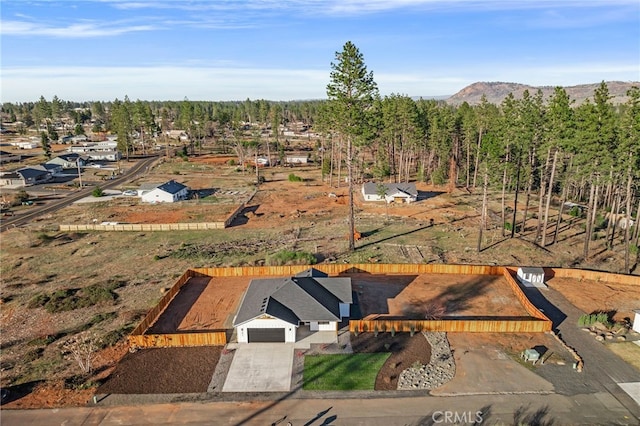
column 538, row 322
column 199, row 226
column 337, row 269
column 138, row 338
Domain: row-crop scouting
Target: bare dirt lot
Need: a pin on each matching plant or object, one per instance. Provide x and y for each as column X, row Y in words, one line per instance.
column 597, row 296
column 202, row 304
column 414, row 297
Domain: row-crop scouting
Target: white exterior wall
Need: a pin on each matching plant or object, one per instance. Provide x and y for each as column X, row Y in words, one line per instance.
column 636, row 322
column 157, row 196
column 289, row 329
column 315, row 326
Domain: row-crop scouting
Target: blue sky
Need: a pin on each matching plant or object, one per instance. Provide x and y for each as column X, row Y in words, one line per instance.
column 282, row 49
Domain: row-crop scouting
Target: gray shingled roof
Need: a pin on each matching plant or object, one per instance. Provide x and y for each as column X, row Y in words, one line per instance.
column 295, row 299
column 172, row 187
column 371, row 188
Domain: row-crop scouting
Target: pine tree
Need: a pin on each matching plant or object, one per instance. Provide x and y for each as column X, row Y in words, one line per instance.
column 351, row 92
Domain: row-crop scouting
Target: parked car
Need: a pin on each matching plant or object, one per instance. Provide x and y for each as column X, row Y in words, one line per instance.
column 129, row 193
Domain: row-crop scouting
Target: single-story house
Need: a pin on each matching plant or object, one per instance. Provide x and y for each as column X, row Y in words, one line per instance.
column 26, row 176
column 53, row 168
column 68, row 161
column 104, row 155
column 168, row 192
column 8, row 157
column 394, row 192
column 531, row 277
column 272, row 309
column 296, row 159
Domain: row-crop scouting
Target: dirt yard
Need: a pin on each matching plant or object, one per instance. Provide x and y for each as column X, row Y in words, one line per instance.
column 436, row 295
column 591, row 296
column 202, row 304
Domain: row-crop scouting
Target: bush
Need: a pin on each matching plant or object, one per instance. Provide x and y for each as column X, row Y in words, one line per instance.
column 231, row 162
column 75, row 298
column 294, row 178
column 575, row 211
column 97, row 192
column 634, row 249
column 288, row 257
column 588, row 320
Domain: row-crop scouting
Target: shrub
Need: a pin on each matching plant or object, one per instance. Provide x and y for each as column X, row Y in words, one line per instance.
column 75, row 298
column 575, row 211
column 288, row 257
column 294, row 178
column 231, row 162
column 97, row 192
column 634, row 249
column 588, row 320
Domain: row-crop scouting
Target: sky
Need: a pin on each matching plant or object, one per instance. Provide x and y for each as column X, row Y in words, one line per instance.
column 282, row 50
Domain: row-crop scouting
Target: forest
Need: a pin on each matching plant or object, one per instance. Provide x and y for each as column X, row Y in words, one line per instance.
column 586, row 156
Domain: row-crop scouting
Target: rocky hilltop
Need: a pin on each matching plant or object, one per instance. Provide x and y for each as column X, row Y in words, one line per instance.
column 497, row 91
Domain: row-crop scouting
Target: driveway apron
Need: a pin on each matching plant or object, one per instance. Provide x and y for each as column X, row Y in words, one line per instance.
column 260, row 367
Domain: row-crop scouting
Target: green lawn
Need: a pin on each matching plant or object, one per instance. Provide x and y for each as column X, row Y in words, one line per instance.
column 342, row 372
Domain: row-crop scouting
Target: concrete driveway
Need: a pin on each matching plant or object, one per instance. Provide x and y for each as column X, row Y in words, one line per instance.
column 260, row 367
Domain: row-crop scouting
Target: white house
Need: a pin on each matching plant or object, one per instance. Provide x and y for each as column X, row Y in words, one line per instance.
column 531, row 277
column 273, row 309
column 296, row 159
column 68, row 161
column 394, row 192
column 168, row 192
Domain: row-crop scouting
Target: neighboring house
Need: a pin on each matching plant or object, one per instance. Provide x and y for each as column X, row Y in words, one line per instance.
column 68, row 161
column 103, row 146
column 272, row 309
column 26, row 176
column 168, row 192
column 26, row 145
column 531, row 277
column 54, row 169
column 296, row 159
column 8, row 157
column 394, row 192
column 104, row 155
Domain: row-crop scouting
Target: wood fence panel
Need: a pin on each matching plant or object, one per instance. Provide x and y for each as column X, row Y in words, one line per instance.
column 580, row 274
column 216, row 338
column 498, row 325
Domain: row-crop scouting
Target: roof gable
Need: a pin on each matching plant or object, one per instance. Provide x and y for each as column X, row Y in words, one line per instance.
column 172, row 187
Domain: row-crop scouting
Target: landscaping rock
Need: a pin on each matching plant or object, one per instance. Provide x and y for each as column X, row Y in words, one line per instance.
column 439, row 371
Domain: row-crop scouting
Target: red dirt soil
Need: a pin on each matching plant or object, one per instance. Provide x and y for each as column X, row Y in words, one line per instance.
column 202, row 304
column 591, row 296
column 452, row 295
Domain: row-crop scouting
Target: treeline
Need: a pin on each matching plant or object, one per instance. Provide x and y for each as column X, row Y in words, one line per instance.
column 525, row 147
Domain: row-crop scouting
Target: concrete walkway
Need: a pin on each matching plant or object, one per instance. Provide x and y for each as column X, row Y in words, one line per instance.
column 260, row 367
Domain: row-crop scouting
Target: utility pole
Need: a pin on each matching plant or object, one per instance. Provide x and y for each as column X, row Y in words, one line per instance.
column 79, row 171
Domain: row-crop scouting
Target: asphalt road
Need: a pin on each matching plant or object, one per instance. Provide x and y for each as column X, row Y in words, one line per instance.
column 54, row 205
column 554, row 409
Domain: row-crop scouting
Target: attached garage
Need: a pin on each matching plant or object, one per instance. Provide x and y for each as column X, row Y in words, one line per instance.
column 257, row 335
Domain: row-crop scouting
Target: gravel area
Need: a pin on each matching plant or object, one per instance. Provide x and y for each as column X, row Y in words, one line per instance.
column 440, row 369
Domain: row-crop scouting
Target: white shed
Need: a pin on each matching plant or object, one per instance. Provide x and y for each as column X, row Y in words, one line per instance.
column 636, row 321
column 531, row 277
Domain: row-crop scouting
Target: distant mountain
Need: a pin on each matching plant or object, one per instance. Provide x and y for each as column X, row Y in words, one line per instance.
column 497, row 91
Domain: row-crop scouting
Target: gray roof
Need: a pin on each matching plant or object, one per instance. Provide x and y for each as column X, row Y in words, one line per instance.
column 295, row 299
column 172, row 187
column 371, row 188
column 30, row 172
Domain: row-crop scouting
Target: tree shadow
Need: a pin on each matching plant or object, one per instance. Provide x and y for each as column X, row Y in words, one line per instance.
column 13, row 393
column 454, row 298
column 523, row 416
column 243, row 216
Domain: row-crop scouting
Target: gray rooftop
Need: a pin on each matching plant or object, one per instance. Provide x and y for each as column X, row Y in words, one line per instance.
column 371, row 188
column 172, row 187
column 295, row 299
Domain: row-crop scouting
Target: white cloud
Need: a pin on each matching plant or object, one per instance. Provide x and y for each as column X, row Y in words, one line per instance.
column 76, row 30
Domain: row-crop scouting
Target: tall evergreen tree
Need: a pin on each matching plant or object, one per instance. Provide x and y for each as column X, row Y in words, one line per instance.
column 351, row 92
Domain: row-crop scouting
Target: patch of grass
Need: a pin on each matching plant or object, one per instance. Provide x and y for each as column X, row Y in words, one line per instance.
column 74, row 298
column 288, row 257
column 342, row 371
column 628, row 351
column 293, row 178
column 114, row 336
